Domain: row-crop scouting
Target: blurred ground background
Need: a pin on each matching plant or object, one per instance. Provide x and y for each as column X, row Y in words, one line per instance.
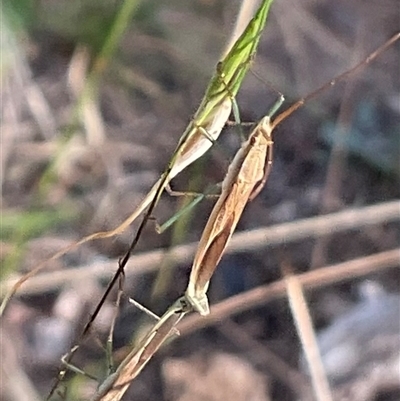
column 76, row 162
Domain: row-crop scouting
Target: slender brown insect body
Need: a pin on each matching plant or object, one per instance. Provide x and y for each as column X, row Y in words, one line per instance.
column 245, row 173
column 246, row 177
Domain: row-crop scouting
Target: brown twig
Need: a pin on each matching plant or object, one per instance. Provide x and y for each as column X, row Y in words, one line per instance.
column 245, row 241
column 313, row 279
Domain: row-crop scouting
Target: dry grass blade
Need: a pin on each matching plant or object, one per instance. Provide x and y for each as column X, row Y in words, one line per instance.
column 261, row 355
column 244, row 175
column 306, row 333
column 201, row 132
column 115, row 386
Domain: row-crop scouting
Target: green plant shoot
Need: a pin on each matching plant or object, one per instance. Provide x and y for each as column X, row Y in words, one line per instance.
column 201, row 132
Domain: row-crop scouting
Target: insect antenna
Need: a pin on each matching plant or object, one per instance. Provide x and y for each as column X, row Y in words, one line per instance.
column 339, row 78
